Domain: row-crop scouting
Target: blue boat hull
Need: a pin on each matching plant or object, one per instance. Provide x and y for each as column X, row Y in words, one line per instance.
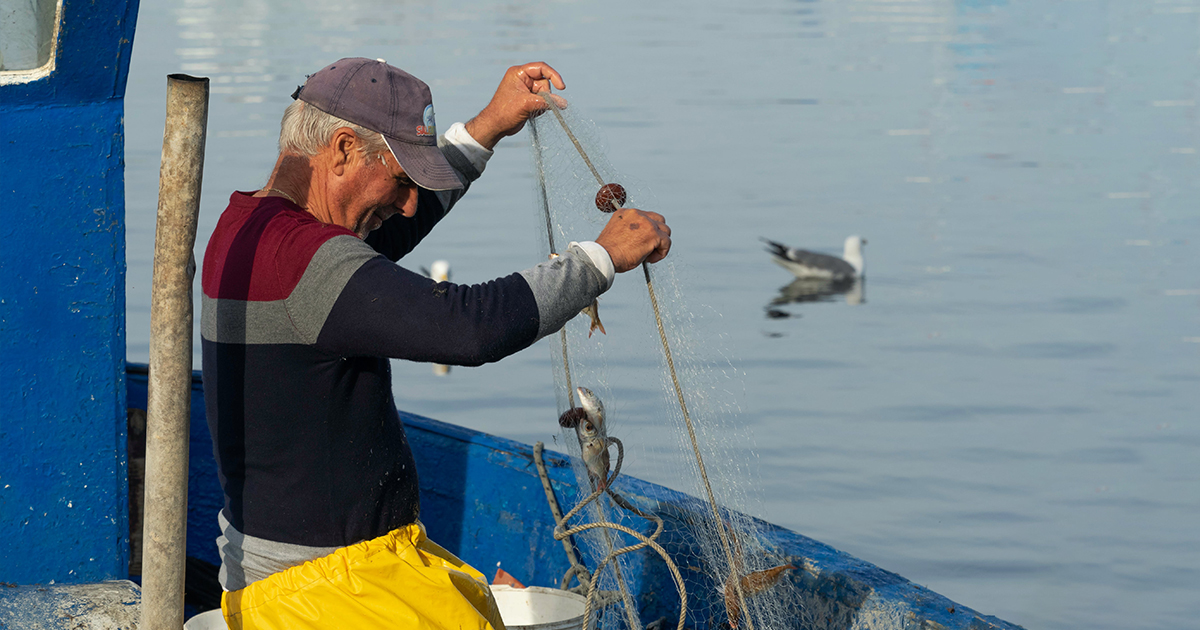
column 486, row 504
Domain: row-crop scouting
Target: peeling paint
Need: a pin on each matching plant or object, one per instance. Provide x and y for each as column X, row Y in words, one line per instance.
column 104, row 606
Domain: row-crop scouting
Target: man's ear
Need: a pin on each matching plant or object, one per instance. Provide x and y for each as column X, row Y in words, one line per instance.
column 344, row 144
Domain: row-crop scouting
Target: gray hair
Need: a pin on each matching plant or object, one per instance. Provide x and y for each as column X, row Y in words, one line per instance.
column 307, row 130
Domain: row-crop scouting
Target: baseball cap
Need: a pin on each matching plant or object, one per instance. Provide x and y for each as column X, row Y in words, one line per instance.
column 391, row 102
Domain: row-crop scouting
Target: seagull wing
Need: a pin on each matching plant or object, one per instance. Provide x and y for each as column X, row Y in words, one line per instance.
column 806, row 264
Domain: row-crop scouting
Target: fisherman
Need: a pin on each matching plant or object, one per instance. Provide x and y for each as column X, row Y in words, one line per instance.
column 302, row 309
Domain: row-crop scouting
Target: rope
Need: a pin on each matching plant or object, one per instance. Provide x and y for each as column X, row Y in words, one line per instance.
column 562, row 333
column 562, row 532
column 712, row 501
column 558, row 516
column 578, row 147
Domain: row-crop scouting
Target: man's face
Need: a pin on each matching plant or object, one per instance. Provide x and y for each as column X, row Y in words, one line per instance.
column 374, row 189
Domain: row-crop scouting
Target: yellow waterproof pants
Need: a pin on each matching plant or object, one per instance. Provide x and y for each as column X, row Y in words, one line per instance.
column 399, row 580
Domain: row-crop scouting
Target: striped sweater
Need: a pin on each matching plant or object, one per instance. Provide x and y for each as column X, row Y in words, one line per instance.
column 299, row 320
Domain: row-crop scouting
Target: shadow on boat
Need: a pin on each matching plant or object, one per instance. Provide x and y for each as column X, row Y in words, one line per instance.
column 816, row 290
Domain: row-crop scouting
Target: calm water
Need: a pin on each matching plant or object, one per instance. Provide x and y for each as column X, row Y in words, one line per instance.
column 1009, row 418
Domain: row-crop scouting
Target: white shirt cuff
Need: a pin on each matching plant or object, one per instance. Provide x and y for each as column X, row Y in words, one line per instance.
column 600, row 259
column 475, row 153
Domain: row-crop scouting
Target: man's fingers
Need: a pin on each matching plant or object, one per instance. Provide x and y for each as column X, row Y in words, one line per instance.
column 660, row 252
column 542, row 70
column 654, row 216
column 660, row 222
column 664, row 245
column 537, row 104
column 533, row 73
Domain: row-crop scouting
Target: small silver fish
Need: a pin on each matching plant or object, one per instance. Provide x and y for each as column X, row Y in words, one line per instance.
column 593, row 407
column 593, row 439
column 593, row 311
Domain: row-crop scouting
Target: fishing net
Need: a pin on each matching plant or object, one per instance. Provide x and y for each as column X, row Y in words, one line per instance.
column 701, row 451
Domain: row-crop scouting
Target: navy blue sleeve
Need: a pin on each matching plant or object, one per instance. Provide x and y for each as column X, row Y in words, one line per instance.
column 386, row 310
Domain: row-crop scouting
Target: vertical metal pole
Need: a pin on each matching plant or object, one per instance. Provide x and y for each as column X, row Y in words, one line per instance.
column 168, row 412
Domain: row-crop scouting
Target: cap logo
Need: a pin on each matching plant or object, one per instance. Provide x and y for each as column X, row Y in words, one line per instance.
column 429, row 128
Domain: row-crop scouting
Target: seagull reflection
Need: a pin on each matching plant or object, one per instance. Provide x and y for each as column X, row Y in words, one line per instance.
column 439, row 271
column 819, row 290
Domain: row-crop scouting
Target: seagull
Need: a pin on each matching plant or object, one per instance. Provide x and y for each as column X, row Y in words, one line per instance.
column 806, row 264
column 439, row 271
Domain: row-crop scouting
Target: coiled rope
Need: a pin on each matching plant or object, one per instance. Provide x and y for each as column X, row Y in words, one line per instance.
column 562, row 532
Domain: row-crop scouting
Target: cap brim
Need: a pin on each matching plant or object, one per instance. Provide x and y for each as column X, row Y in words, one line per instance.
column 425, row 164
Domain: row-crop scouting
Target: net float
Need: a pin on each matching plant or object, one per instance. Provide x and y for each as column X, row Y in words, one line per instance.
column 609, row 195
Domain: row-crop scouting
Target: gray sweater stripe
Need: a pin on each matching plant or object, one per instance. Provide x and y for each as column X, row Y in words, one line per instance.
column 247, row 559
column 562, row 287
column 323, row 280
column 302, row 313
column 243, row 322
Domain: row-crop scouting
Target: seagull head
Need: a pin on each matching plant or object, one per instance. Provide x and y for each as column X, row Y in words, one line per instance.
column 852, row 253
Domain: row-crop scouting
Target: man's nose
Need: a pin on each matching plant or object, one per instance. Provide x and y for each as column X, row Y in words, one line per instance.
column 407, row 201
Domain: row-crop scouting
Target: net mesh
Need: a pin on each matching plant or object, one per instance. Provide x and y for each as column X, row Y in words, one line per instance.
column 566, row 190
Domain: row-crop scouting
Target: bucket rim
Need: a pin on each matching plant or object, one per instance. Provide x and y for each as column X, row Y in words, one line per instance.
column 570, row 623
column 504, row 588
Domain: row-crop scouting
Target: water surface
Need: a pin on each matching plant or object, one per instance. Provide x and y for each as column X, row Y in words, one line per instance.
column 1009, row 414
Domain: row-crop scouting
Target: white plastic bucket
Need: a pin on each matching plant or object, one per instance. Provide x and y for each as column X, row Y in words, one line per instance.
column 211, row 620
column 539, row 608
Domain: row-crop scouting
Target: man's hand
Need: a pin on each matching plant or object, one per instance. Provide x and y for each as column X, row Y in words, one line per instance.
column 632, row 236
column 515, row 102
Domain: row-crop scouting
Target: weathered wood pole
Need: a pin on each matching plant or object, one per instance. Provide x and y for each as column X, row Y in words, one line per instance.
column 168, row 408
